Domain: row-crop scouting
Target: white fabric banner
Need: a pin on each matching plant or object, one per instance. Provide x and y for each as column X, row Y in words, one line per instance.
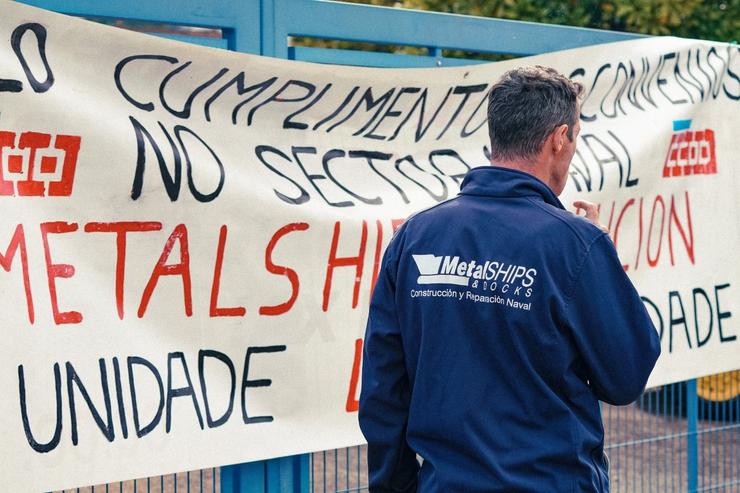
column 189, row 237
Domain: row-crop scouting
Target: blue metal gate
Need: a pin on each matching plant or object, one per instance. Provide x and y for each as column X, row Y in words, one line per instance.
column 670, row 440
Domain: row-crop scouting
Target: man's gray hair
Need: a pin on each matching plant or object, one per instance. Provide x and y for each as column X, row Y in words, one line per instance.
column 525, row 106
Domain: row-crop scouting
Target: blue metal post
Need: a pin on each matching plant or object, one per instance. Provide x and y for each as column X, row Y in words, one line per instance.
column 282, row 475
column 692, row 406
column 269, row 39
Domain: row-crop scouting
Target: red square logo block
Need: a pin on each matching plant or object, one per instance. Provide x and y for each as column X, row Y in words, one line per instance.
column 15, row 164
column 691, row 153
column 30, row 164
column 48, row 164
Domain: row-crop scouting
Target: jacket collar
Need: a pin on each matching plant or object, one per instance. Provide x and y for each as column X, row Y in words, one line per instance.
column 496, row 181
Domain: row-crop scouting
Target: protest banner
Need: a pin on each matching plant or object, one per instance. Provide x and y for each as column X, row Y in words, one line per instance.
column 189, row 237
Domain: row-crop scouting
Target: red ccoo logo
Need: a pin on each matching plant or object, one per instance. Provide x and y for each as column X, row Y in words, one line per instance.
column 691, row 151
column 37, row 164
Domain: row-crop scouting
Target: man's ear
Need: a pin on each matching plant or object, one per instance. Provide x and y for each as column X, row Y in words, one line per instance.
column 559, row 137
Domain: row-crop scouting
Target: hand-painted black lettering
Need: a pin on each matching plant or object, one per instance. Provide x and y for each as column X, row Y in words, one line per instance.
column 314, row 177
column 136, row 360
column 289, row 123
column 719, row 73
column 171, row 183
column 337, row 153
column 197, row 194
column 185, row 111
column 580, row 172
column 677, row 317
column 487, row 153
column 613, row 114
column 73, row 379
column 704, row 73
column 241, row 89
column 464, row 132
column 646, row 88
column 10, row 85
column 173, row 392
column 54, row 441
column 581, row 72
column 466, row 91
column 210, row 353
column 409, row 159
column 601, row 70
column 309, row 88
column 39, row 32
column 629, row 182
column 622, row 68
column 391, row 112
column 683, row 80
column 722, row 315
column 119, row 84
column 370, row 102
column 601, row 159
column 696, row 82
column 339, row 108
column 246, row 383
column 699, row 340
column 679, row 78
column 457, row 177
column 119, row 397
column 303, row 195
column 734, row 76
column 371, row 157
column 634, row 85
column 648, row 302
column 662, row 82
column 421, row 127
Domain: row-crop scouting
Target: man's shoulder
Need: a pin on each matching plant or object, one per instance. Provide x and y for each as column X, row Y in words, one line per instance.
column 541, row 220
column 416, row 221
column 567, row 224
column 431, row 214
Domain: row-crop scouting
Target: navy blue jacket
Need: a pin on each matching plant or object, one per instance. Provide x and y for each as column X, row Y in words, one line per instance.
column 498, row 322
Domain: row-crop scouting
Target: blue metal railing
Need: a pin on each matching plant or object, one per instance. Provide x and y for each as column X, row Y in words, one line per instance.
column 692, row 408
column 668, row 441
column 266, row 26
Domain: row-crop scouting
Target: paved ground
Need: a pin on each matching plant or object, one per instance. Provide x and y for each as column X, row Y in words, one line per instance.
column 648, row 453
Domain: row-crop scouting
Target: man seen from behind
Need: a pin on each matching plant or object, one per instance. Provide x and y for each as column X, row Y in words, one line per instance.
column 500, row 319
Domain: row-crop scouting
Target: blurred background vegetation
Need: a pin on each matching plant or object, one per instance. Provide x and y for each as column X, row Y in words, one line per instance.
column 717, row 20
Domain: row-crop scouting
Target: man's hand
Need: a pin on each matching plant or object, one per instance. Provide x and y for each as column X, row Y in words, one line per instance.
column 592, row 213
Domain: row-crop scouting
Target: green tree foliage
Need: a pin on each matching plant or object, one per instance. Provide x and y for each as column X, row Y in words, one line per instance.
column 714, row 19
column 717, row 20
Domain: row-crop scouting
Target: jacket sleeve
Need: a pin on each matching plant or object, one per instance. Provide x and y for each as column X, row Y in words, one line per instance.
column 386, row 393
column 611, row 327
